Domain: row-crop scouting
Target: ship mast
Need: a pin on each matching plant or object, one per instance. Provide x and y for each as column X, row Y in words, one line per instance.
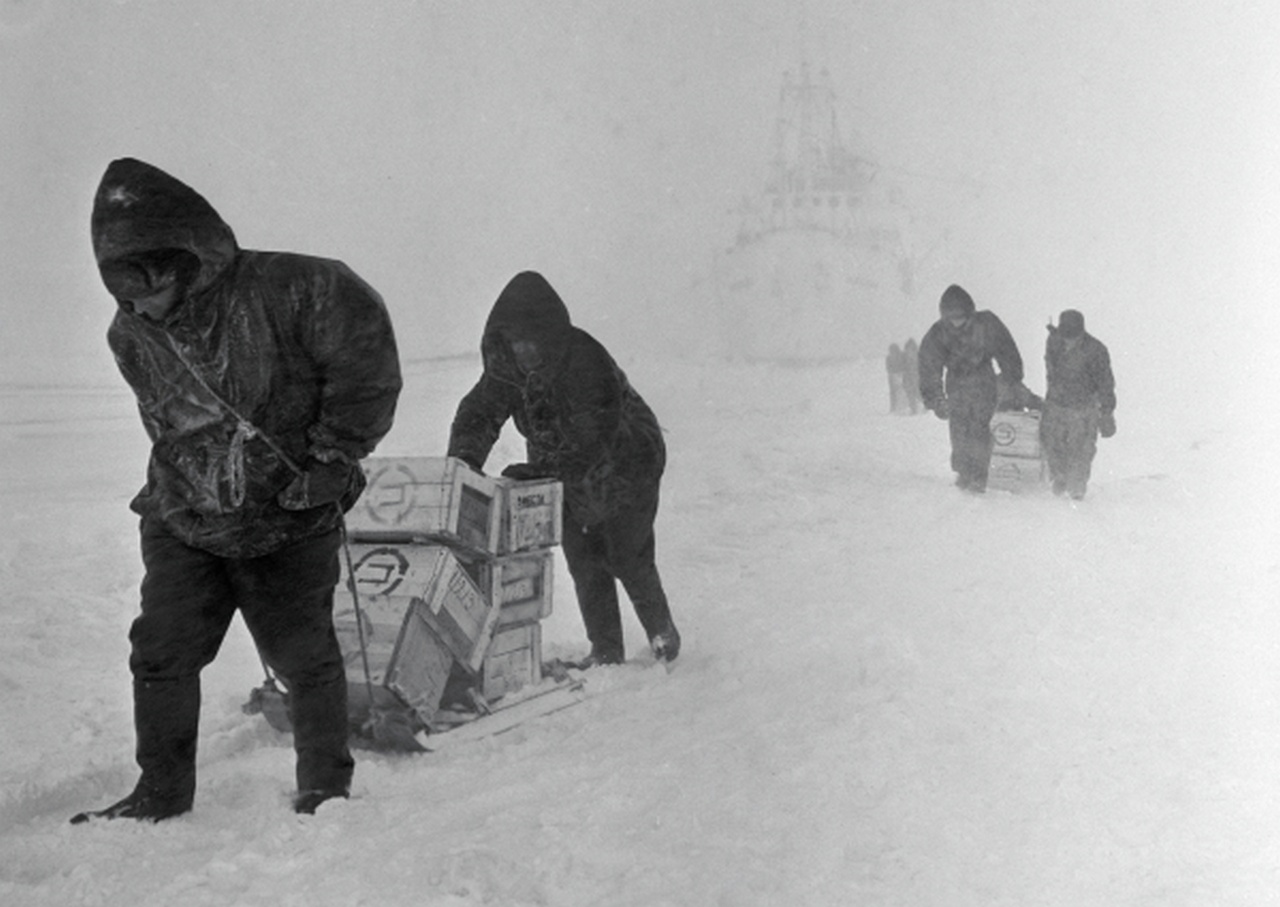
column 814, row 181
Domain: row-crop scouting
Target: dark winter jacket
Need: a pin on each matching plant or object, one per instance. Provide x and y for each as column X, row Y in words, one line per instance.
column 1079, row 376
column 582, row 421
column 966, row 355
column 301, row 348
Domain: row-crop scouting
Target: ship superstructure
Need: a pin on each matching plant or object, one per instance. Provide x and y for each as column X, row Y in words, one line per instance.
column 819, row 268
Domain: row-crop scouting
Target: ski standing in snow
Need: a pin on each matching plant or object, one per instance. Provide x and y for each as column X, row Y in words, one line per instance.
column 262, row 379
column 1080, row 403
column 586, row 426
column 958, row 380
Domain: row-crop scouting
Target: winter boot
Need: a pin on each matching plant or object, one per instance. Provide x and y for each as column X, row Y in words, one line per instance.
column 143, row 804
column 307, row 801
column 666, row 645
column 599, row 656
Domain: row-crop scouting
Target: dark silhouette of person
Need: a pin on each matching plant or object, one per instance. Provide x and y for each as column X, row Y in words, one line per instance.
column 1080, row 403
column 958, row 380
column 262, row 380
column 583, row 424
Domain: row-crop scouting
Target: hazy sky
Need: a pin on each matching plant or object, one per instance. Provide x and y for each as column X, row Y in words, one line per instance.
column 1107, row 156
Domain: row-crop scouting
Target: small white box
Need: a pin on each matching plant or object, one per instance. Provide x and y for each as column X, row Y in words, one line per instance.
column 522, row 585
column 531, row 515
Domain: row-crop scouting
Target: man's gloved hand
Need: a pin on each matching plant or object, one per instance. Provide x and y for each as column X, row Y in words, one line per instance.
column 320, row 483
column 524, row 472
column 1107, row 425
column 942, row 409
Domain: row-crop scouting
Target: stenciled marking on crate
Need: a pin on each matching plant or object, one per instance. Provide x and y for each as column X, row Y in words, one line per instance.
column 531, row 499
column 1004, row 434
column 522, row 589
column 1007, row 429
column 380, row 571
column 522, row 580
column 389, row 498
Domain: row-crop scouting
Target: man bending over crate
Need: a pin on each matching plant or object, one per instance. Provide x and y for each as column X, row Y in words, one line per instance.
column 586, row 426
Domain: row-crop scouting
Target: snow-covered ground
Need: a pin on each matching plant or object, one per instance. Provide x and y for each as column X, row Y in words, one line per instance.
column 891, row 693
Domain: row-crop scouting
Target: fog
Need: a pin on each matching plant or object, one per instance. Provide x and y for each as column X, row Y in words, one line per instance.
column 1119, row 158
column 1108, row 157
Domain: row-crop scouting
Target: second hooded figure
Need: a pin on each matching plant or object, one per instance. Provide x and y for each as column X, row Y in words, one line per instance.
column 586, row 426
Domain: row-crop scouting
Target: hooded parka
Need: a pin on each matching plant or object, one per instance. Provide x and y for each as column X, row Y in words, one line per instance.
column 585, row 425
column 582, row 421
column 266, row 353
column 266, row 365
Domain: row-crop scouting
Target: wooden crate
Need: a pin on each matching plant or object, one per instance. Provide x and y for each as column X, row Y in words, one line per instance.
column 426, row 499
column 393, row 579
column 531, row 515
column 1015, row 473
column 1016, row 434
column 514, row 660
column 408, row 662
column 521, row 585
column 420, row 669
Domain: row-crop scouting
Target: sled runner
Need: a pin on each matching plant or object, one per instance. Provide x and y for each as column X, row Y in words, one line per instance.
column 400, row 730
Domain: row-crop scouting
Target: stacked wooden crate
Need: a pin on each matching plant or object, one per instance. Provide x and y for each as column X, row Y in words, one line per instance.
column 1017, row 463
column 453, row 574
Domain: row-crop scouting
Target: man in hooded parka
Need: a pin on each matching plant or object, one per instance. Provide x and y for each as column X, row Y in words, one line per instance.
column 585, row 425
column 963, row 344
column 262, row 379
column 1080, row 403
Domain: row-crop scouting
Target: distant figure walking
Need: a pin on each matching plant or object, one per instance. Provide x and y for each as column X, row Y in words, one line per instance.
column 1080, row 403
column 911, row 378
column 895, row 365
column 962, row 344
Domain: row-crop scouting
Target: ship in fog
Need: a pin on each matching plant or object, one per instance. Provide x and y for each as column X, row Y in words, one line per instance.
column 821, row 267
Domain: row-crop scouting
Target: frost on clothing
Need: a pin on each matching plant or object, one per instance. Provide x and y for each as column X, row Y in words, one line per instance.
column 300, row 347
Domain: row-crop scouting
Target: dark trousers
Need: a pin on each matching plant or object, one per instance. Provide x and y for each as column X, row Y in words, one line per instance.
column 188, row 600
column 619, row 549
column 1070, row 439
column 970, row 427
